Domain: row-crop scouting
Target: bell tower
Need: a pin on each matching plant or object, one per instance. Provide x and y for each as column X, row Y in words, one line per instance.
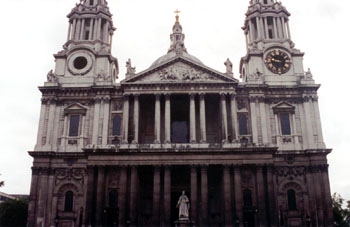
column 271, row 57
column 86, row 56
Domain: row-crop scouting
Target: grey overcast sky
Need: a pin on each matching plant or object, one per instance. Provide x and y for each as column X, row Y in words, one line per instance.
column 32, row 31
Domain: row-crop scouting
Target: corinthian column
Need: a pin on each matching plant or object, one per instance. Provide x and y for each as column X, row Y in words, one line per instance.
column 157, row 119
column 125, row 119
column 156, row 194
column 202, row 118
column 224, row 117
column 227, row 195
column 204, row 195
column 167, row 118
column 234, row 117
column 136, row 118
column 192, row 119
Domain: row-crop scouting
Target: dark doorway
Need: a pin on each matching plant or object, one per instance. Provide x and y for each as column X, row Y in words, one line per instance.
column 112, row 212
column 179, row 119
column 249, row 219
column 179, row 132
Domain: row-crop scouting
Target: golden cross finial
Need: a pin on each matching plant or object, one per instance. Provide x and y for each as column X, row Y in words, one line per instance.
column 177, row 15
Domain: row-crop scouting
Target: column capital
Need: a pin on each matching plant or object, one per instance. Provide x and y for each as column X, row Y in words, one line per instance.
column 204, row 167
column 194, row 167
column 157, row 167
column 227, row 166
column 222, row 95
column 167, row 166
column 192, row 95
column 233, row 95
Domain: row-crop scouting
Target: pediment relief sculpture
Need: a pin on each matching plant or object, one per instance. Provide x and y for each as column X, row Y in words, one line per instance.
column 180, row 72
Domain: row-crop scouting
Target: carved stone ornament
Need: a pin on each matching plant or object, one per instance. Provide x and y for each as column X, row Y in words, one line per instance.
column 246, row 177
column 290, row 171
column 180, row 72
column 75, row 174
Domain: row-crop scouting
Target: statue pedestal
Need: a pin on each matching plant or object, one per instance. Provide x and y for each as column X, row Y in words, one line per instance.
column 184, row 222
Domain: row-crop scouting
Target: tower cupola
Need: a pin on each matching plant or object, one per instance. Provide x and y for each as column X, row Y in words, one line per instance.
column 267, row 23
column 86, row 57
column 90, row 22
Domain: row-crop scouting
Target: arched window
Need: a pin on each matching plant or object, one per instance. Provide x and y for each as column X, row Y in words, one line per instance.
column 68, row 201
column 292, row 200
column 247, row 198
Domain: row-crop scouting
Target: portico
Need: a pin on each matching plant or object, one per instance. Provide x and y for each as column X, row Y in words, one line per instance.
column 179, row 119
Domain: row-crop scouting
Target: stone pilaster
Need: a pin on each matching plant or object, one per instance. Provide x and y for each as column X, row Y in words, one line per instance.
column 238, row 195
column 106, row 107
column 133, row 195
column 96, row 125
column 167, row 196
column 122, row 195
column 125, row 119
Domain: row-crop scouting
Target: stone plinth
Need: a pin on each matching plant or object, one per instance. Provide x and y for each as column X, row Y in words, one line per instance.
column 182, row 222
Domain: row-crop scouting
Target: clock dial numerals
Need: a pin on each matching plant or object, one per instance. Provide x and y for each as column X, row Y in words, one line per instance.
column 277, row 61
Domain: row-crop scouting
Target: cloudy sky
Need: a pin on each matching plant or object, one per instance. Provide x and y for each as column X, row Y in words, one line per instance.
column 32, row 31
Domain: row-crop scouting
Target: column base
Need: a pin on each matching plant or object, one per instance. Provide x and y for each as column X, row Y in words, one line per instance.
column 184, row 222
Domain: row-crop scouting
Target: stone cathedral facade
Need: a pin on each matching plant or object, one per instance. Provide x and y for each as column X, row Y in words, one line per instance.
column 247, row 151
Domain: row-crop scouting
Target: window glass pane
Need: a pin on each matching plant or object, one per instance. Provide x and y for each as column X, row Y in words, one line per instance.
column 243, row 126
column 292, row 200
column 116, row 125
column 68, row 201
column 74, row 125
column 285, row 124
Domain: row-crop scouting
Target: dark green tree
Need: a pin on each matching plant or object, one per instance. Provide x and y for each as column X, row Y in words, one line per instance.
column 13, row 213
column 341, row 213
column 2, row 183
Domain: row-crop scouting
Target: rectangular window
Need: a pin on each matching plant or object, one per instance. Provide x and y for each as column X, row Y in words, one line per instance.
column 116, row 125
column 74, row 121
column 243, row 124
column 285, row 124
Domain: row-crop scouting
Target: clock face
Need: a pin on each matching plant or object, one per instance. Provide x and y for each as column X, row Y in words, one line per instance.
column 278, row 61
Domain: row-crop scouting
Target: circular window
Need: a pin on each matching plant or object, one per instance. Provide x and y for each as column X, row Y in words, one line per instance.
column 80, row 62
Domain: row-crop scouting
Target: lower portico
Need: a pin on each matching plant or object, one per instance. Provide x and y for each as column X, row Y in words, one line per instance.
column 149, row 184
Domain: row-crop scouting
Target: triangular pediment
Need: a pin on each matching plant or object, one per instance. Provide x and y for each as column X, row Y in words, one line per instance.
column 179, row 70
column 283, row 107
column 75, row 108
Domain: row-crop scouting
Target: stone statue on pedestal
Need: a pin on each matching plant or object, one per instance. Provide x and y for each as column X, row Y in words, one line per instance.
column 183, row 204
